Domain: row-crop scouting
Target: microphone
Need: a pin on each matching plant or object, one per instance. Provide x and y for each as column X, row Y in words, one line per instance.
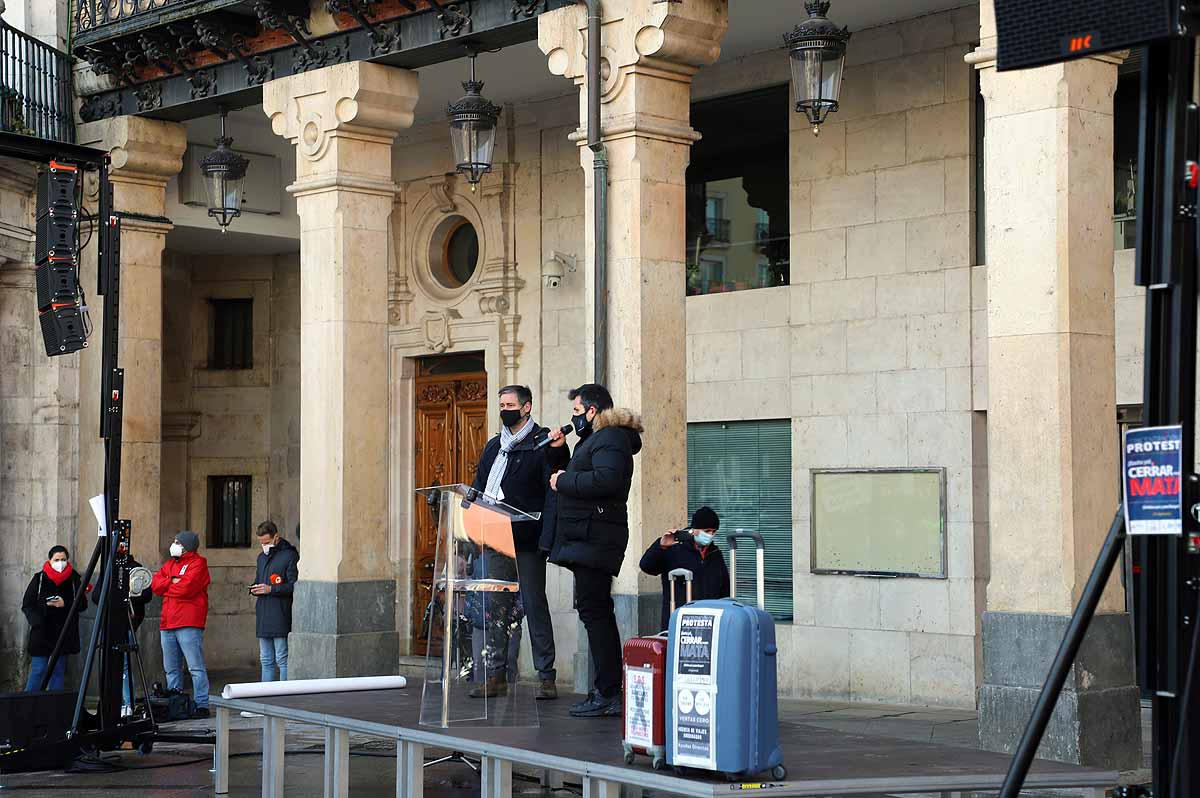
column 565, row 429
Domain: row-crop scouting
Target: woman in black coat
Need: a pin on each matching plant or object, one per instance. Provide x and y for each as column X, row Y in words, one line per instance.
column 47, row 607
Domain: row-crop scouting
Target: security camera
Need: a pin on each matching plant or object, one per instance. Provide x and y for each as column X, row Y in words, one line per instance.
column 555, row 268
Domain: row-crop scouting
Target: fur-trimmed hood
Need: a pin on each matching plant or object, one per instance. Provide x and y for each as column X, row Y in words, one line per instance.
column 618, row 417
column 625, row 420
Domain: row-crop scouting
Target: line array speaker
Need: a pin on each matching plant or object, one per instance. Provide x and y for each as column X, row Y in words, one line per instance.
column 56, row 270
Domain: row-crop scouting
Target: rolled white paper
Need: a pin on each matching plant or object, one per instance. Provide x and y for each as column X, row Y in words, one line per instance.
column 312, row 686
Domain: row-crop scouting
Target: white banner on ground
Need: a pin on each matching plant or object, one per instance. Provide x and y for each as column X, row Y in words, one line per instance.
column 312, row 686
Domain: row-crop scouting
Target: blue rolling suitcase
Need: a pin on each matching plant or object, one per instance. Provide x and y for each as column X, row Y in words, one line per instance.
column 722, row 706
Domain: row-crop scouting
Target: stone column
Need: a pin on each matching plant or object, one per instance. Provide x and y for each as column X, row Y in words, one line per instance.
column 1052, row 432
column 652, row 50
column 145, row 154
column 343, row 120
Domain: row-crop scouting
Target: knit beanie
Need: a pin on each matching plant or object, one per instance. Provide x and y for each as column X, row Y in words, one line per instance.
column 190, row 540
column 705, row 518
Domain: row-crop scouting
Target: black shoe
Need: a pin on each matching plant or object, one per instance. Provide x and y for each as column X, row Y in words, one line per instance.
column 201, row 712
column 547, row 690
column 587, row 702
column 600, row 707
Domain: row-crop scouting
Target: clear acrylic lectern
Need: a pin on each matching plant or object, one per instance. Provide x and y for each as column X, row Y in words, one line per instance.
column 475, row 587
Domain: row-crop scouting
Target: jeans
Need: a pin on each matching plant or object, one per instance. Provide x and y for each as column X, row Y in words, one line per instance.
column 38, row 670
column 178, row 644
column 531, row 571
column 593, row 598
column 273, row 656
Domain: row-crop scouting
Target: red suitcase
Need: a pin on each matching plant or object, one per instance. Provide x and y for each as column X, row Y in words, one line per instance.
column 645, row 661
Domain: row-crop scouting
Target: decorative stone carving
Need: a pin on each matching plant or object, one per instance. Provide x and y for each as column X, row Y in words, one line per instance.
column 99, row 106
column 527, row 8
column 455, row 18
column 436, row 328
column 359, row 99
column 442, row 189
column 650, row 34
column 214, row 36
column 318, row 54
column 149, row 96
column 146, row 149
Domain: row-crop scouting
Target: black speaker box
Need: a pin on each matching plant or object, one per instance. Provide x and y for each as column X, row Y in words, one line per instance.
column 1037, row 32
column 57, row 282
column 33, row 731
column 56, row 189
column 62, row 330
column 54, row 236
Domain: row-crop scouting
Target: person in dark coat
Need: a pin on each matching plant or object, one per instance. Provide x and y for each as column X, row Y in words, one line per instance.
column 591, row 529
column 278, row 568
column 47, row 607
column 515, row 470
column 695, row 552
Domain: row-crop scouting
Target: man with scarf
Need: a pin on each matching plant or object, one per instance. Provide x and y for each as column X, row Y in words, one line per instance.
column 515, row 471
column 47, row 607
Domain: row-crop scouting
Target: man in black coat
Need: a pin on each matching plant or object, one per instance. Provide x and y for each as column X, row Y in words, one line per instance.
column 591, row 529
column 694, row 551
column 277, row 570
column 516, row 471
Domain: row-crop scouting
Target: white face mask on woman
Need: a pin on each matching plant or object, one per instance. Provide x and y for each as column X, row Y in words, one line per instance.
column 176, row 549
column 59, row 565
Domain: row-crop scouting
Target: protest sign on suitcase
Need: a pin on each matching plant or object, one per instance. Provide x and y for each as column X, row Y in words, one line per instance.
column 722, row 703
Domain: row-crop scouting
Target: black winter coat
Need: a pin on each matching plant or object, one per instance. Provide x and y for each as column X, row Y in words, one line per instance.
column 591, row 521
column 45, row 622
column 526, row 481
column 710, row 575
column 280, row 569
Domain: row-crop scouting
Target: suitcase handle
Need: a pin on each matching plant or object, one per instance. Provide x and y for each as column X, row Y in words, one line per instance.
column 687, row 577
column 759, row 556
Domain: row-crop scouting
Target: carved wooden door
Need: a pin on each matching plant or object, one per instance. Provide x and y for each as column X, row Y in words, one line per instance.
column 450, row 433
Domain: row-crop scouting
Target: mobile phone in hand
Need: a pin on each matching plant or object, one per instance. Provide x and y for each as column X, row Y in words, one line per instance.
column 53, row 598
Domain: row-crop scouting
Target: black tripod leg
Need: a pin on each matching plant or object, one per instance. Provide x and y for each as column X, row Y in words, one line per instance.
column 1036, row 728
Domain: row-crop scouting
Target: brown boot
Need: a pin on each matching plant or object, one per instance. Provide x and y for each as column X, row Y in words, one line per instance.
column 494, row 687
column 547, row 690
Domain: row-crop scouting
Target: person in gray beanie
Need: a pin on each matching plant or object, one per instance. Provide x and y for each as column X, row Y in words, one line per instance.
column 183, row 584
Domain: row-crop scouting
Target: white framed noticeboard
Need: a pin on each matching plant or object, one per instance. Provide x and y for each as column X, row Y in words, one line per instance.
column 639, row 707
column 694, row 682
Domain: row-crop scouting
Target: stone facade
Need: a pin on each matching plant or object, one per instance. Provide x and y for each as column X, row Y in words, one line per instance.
column 877, row 352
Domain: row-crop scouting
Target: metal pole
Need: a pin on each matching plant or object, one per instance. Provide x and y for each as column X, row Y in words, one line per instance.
column 1076, row 629
column 447, row 609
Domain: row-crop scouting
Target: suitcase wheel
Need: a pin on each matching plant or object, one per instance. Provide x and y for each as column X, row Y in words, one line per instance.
column 659, row 763
column 779, row 773
column 629, row 757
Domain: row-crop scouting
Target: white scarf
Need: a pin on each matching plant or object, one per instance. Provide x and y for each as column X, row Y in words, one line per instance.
column 507, row 441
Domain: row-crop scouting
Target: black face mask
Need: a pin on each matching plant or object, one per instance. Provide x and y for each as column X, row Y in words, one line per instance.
column 510, row 418
column 583, row 427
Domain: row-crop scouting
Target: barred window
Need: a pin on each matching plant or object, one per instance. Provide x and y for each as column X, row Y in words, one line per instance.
column 228, row 512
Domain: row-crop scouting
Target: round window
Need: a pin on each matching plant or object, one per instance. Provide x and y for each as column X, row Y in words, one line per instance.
column 459, row 255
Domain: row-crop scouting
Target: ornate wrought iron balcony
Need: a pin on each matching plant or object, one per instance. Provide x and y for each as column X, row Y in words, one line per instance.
column 35, row 87
column 103, row 20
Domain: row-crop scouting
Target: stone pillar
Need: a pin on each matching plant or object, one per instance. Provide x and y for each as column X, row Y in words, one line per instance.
column 343, row 120
column 145, row 154
column 1052, row 430
column 652, row 50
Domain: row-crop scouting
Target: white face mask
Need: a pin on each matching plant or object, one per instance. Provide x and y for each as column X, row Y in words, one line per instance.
column 59, row 565
column 267, row 547
column 704, row 538
column 176, row 549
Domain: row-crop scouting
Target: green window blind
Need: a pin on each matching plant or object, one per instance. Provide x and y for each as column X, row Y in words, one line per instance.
column 743, row 470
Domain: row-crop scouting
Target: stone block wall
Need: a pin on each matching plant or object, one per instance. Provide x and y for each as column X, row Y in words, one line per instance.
column 39, row 429
column 873, row 351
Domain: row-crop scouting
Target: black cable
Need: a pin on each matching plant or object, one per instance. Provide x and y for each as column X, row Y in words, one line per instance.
column 1186, row 697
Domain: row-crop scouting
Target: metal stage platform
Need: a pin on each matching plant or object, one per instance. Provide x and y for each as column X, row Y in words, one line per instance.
column 820, row 762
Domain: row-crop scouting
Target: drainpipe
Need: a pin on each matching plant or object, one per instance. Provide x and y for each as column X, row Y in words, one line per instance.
column 599, row 192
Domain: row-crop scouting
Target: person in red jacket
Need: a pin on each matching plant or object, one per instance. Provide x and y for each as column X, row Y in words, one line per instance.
column 183, row 584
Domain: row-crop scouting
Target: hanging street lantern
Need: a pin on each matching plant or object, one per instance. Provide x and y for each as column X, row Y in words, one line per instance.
column 224, row 173
column 473, row 129
column 817, row 50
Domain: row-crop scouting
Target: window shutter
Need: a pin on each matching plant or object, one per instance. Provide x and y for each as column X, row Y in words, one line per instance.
column 743, row 470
